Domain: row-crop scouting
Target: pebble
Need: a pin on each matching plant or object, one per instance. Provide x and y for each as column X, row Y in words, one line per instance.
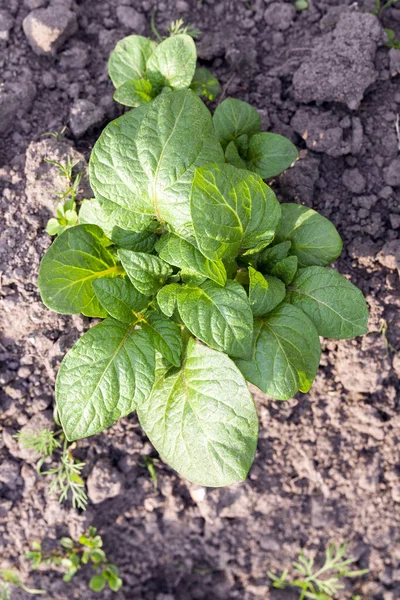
column 280, row 15
column 104, row 482
column 131, row 18
column 83, row 116
column 354, row 181
column 391, row 174
column 6, row 23
column 48, row 28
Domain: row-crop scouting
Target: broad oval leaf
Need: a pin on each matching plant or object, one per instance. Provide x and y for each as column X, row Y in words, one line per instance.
column 285, row 269
column 120, row 299
column 219, row 316
column 135, row 92
column 165, row 335
column 265, row 292
column 286, row 353
column 181, row 253
column 173, row 62
column 233, row 157
column 147, row 273
column 204, row 83
column 270, row 256
column 142, row 165
column 314, row 239
column 201, row 418
column 232, row 209
column 337, row 307
column 269, row 154
column 167, row 298
column 233, row 118
column 128, row 59
column 102, row 378
column 67, row 271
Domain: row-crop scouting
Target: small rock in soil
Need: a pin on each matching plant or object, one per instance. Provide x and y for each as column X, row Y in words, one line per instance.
column 83, row 116
column 48, row 28
column 341, row 65
column 297, row 183
column 389, row 256
column 394, row 58
column 391, row 174
column 354, row 181
column 15, row 97
column 104, row 482
column 9, row 474
column 280, row 15
column 131, row 18
column 6, row 23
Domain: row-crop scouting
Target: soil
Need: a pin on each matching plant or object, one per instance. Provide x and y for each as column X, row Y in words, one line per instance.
column 328, row 463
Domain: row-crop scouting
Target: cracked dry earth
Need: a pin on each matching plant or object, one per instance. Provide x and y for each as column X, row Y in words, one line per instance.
column 328, row 462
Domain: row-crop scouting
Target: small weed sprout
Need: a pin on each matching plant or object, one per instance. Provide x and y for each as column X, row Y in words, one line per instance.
column 323, row 583
column 381, row 6
column 66, row 212
column 150, row 463
column 66, row 475
column 178, row 27
column 72, row 556
column 11, row 577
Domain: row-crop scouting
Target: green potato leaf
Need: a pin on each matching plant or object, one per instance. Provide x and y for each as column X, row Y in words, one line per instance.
column 147, row 273
column 67, row 271
column 201, row 418
column 120, row 299
column 135, row 92
column 314, row 239
column 219, row 316
column 103, row 377
column 97, row 583
column 143, row 164
column 165, row 335
column 269, row 154
column 233, row 157
column 173, row 62
column 270, row 256
column 232, row 210
column 204, row 83
column 167, row 298
column 181, row 253
column 336, row 306
column 265, row 292
column 285, row 269
column 286, row 353
column 128, row 59
column 233, row 118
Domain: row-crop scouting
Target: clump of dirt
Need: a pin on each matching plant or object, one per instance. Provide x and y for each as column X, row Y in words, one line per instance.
column 328, row 465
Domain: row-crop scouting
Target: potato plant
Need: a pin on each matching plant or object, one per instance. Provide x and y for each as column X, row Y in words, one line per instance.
column 204, row 281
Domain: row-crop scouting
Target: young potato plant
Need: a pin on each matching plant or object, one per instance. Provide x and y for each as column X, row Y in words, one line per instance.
column 203, row 279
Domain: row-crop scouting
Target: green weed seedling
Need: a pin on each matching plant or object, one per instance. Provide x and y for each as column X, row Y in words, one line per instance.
column 324, row 583
column 301, row 5
column 204, row 281
column 72, row 556
column 11, row 578
column 66, row 211
column 66, row 475
column 150, row 463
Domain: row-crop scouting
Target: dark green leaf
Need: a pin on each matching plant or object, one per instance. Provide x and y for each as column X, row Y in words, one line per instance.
column 173, row 62
column 270, row 256
column 142, row 165
column 314, row 239
column 265, row 292
column 147, row 273
column 69, row 267
column 102, row 378
column 336, row 306
column 286, row 269
column 233, row 118
column 180, row 253
column 286, row 353
column 232, row 209
column 204, row 83
column 165, row 335
column 120, row 299
column 135, row 92
column 128, row 59
column 269, row 154
column 233, row 157
column 139, row 241
column 167, row 298
column 219, row 316
column 202, row 419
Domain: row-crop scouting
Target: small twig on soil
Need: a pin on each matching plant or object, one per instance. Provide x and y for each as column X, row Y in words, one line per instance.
column 225, row 89
column 397, row 126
